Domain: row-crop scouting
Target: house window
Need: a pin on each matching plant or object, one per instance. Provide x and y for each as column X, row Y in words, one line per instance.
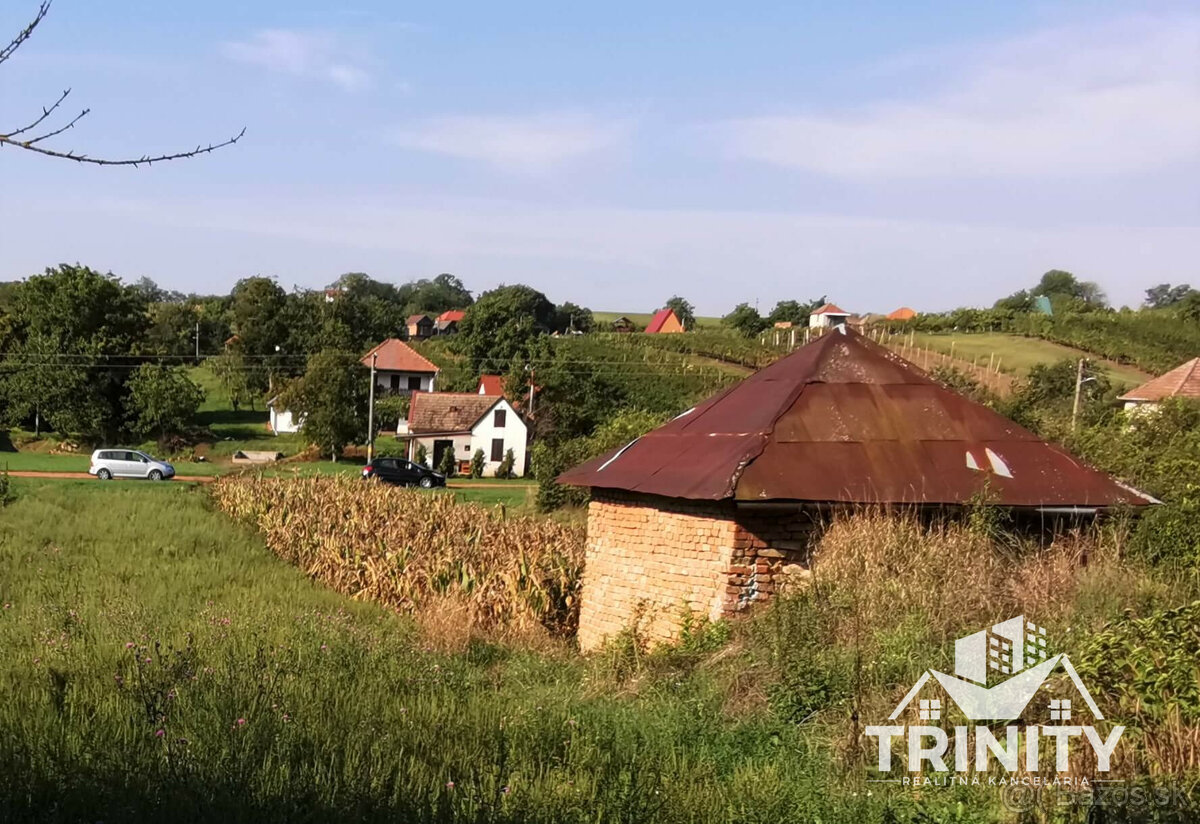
column 395, row 383
column 414, row 383
column 498, row 420
column 497, row 449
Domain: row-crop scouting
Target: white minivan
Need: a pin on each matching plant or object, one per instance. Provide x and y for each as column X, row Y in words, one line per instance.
column 128, row 463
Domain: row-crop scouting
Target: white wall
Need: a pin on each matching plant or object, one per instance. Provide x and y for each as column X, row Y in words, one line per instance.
column 514, row 433
column 822, row 321
column 383, row 380
column 282, row 422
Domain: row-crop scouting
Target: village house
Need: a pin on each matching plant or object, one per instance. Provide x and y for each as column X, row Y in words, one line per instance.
column 828, row 316
column 711, row 510
column 903, row 313
column 400, row 369
column 1181, row 382
column 664, row 321
column 419, row 327
column 464, row 422
column 491, row 385
column 280, row 420
column 447, row 322
column 623, row 324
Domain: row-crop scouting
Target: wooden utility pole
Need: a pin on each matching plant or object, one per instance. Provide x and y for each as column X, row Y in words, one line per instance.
column 1078, row 392
column 371, row 411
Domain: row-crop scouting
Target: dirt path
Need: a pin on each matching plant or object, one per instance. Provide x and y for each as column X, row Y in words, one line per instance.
column 83, row 476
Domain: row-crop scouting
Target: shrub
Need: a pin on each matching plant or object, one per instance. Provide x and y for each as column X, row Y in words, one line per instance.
column 1170, row 534
column 422, row 455
column 477, row 462
column 448, row 463
column 7, row 496
column 505, row 469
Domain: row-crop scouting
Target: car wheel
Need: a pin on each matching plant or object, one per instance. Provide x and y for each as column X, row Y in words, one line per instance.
column 155, row 475
column 104, row 475
column 427, row 482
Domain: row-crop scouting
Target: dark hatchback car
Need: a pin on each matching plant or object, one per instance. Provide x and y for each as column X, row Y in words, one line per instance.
column 403, row 473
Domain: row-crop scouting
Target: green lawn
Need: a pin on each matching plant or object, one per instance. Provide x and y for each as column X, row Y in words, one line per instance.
column 161, row 665
column 1018, row 354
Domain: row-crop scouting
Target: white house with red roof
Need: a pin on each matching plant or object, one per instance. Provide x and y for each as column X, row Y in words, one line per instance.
column 827, row 317
column 465, row 422
column 1181, row 382
column 399, row 368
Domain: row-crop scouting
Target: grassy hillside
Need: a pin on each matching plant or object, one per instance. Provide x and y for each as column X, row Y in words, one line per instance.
column 1017, row 354
column 643, row 318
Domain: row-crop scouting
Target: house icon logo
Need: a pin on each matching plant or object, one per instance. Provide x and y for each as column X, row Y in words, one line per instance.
column 997, row 673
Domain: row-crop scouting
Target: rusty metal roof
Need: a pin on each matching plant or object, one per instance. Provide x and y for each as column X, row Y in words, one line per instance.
column 845, row 420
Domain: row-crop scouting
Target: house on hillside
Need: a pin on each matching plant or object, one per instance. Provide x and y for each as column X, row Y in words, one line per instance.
column 827, row 317
column 491, row 385
column 447, row 322
column 903, row 313
column 332, row 294
column 419, row 327
column 714, row 509
column 400, row 369
column 623, row 324
column 664, row 322
column 464, row 422
column 1181, row 382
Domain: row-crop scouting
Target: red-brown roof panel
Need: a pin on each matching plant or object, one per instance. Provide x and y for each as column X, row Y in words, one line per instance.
column 845, row 420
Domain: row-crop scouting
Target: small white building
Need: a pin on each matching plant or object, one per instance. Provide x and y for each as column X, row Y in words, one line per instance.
column 827, row 317
column 282, row 421
column 464, row 422
column 400, row 369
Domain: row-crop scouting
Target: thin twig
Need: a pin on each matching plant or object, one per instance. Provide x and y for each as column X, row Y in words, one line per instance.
column 45, row 113
column 25, row 144
column 23, row 35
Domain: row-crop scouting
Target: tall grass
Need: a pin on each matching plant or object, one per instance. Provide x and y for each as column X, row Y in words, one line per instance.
column 160, row 664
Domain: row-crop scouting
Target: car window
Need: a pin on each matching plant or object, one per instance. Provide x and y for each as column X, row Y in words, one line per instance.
column 104, row 456
column 386, row 463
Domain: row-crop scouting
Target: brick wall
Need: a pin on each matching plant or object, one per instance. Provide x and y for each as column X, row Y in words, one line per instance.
column 655, row 559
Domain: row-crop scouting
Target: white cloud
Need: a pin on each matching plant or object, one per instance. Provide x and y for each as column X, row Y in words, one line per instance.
column 1114, row 98
column 528, row 143
column 301, row 54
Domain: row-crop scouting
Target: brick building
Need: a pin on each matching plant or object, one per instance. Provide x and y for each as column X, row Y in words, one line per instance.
column 707, row 512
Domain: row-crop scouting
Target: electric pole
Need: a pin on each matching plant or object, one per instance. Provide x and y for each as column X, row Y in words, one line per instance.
column 1078, row 392
column 371, row 412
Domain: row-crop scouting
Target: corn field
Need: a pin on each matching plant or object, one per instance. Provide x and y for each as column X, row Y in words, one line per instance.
column 410, row 549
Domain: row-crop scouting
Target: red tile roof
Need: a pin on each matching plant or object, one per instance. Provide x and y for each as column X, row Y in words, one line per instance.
column 1181, row 382
column 903, row 313
column 846, row 420
column 397, row 356
column 447, row 411
column 453, row 314
column 660, row 317
column 491, row 385
column 830, row 309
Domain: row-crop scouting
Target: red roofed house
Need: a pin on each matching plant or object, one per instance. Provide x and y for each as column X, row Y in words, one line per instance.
column 464, row 422
column 419, row 327
column 1181, row 382
column 447, row 322
column 903, row 313
column 828, row 316
column 399, row 368
column 491, row 385
column 664, row 321
column 710, row 509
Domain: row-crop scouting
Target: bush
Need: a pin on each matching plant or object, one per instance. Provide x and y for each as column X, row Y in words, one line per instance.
column 422, row 455
column 1170, row 534
column 477, row 462
column 7, row 496
column 505, row 469
column 448, row 463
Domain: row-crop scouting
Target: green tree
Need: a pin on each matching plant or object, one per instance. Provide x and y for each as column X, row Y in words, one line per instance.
column 477, row 462
column 505, row 469
column 257, row 319
column 1189, row 308
column 502, row 326
column 330, row 401
column 163, row 400
column 684, row 311
column 573, row 318
column 745, row 319
column 71, row 332
column 1164, row 295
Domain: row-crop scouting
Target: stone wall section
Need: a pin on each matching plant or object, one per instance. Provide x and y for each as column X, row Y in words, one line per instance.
column 652, row 560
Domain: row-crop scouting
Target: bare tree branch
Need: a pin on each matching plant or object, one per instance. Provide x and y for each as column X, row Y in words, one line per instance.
column 45, row 113
column 31, row 145
column 23, row 35
column 144, row 160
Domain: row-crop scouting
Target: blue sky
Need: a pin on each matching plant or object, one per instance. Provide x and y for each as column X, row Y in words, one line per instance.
column 929, row 154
